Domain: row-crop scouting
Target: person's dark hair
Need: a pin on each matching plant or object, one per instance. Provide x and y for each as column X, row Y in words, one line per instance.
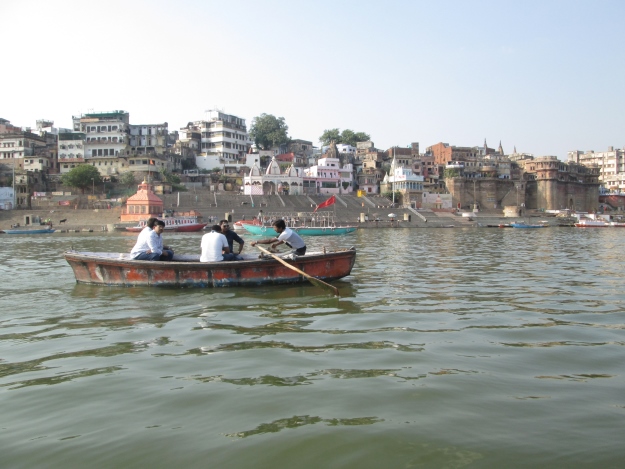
column 216, row 228
column 279, row 224
column 150, row 222
column 224, row 221
column 158, row 222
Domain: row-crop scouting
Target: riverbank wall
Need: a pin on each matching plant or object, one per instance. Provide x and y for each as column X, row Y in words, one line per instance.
column 365, row 212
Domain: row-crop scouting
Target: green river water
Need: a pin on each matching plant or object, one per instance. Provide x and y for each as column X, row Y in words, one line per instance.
column 449, row 348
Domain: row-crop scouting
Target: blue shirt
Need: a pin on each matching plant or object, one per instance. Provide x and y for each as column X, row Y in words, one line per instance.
column 231, row 236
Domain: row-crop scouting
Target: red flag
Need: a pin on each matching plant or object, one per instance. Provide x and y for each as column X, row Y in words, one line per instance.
column 325, row 204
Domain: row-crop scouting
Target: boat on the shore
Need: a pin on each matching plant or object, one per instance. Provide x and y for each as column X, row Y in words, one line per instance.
column 29, row 231
column 178, row 224
column 116, row 269
column 240, row 224
column 262, row 230
column 592, row 223
column 527, row 225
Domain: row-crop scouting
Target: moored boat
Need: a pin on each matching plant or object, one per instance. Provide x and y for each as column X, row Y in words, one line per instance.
column 29, row 231
column 115, row 269
column 587, row 223
column 240, row 224
column 180, row 224
column 526, row 225
column 261, row 230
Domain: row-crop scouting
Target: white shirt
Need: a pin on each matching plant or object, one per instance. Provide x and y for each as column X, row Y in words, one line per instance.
column 212, row 245
column 292, row 238
column 148, row 240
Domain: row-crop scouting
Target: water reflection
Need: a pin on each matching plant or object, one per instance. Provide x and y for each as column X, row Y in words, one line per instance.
column 302, row 420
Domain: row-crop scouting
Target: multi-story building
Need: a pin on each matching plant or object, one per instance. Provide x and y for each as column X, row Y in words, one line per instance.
column 329, row 177
column 370, row 173
column 611, row 166
column 21, row 147
column 71, row 150
column 554, row 185
column 223, row 140
column 148, row 139
column 113, row 145
column 302, row 150
column 402, row 179
column 106, row 133
column 362, row 148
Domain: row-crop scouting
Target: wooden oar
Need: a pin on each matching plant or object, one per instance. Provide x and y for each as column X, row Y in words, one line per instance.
column 310, row 278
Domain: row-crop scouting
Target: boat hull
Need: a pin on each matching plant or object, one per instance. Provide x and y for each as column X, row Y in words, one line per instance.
column 303, row 230
column 525, row 225
column 42, row 231
column 170, row 228
column 111, row 269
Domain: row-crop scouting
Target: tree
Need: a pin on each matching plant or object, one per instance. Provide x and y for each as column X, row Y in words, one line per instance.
column 451, row 173
column 330, row 135
column 82, row 177
column 269, row 131
column 172, row 179
column 128, row 179
column 362, row 137
column 347, row 137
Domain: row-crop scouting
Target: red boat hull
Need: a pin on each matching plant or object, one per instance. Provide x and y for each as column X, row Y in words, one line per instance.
column 95, row 268
column 169, row 228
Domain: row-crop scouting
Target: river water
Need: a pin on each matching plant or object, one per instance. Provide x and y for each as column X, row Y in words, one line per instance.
column 448, row 348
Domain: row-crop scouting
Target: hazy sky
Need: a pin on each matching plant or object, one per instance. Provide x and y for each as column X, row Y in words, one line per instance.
column 544, row 76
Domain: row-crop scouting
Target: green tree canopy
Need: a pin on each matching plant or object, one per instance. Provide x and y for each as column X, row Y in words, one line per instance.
column 82, row 177
column 269, row 131
column 329, row 135
column 347, row 137
column 127, row 179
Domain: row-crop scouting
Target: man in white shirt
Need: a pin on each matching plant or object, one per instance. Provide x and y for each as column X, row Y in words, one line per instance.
column 285, row 236
column 149, row 246
column 215, row 246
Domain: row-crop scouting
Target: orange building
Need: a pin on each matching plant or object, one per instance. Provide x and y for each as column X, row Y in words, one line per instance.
column 143, row 205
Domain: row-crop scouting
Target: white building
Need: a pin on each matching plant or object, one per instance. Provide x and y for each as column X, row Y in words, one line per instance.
column 224, row 138
column 114, row 146
column 329, row 177
column 6, row 198
column 273, row 181
column 611, row 165
column 106, row 134
column 403, row 180
column 71, row 150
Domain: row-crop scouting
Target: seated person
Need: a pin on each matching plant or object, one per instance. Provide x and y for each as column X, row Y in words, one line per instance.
column 149, row 246
column 231, row 236
column 285, row 236
column 215, row 246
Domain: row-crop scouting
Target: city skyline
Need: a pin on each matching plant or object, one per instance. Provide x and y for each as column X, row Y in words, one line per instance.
column 544, row 77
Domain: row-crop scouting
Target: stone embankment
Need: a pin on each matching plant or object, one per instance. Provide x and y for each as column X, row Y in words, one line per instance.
column 348, row 210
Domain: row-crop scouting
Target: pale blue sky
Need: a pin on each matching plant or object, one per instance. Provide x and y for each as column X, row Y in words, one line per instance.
column 544, row 76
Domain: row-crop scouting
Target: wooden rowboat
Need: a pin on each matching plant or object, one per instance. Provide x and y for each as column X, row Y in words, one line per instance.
column 115, row 269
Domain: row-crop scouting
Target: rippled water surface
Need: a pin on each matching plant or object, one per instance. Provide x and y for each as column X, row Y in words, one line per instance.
column 448, row 348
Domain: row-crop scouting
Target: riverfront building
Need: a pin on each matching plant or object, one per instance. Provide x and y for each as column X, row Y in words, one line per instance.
column 223, row 140
column 611, row 166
